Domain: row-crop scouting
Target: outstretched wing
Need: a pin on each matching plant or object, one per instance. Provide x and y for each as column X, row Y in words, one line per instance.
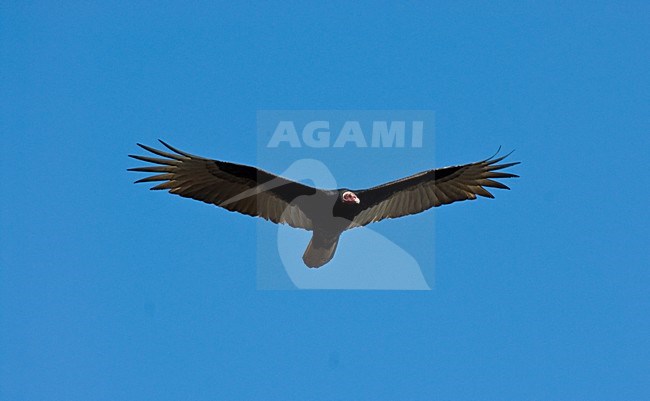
column 428, row 189
column 236, row 187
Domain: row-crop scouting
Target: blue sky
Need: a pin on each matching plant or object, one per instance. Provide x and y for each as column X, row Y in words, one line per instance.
column 109, row 291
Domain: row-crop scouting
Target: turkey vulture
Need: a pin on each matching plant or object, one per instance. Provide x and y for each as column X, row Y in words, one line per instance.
column 327, row 213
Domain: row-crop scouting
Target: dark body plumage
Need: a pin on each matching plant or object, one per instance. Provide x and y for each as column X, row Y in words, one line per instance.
column 327, row 213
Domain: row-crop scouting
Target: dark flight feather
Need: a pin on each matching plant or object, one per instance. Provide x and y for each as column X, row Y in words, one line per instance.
column 218, row 182
column 431, row 188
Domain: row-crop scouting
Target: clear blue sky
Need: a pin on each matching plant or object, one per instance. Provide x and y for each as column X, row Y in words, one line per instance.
column 111, row 292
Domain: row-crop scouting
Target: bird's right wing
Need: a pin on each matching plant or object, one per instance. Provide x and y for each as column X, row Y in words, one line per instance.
column 235, row 187
column 432, row 188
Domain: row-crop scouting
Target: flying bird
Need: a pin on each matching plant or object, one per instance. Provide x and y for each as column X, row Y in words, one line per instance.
column 326, row 213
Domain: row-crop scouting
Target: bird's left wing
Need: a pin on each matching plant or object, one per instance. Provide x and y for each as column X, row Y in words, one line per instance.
column 235, row 187
column 428, row 189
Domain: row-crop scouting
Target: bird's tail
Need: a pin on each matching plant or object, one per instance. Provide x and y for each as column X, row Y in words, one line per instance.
column 320, row 250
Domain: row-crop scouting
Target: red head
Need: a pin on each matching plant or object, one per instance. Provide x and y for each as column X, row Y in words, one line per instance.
column 350, row 197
